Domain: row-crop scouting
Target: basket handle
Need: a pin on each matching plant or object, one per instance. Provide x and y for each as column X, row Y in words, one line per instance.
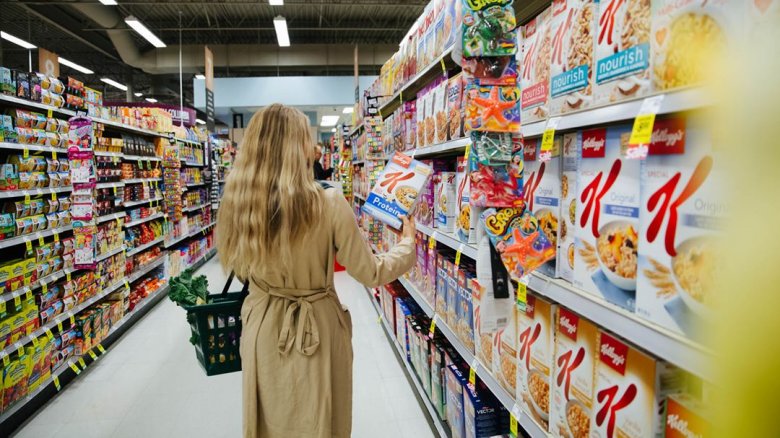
column 244, row 290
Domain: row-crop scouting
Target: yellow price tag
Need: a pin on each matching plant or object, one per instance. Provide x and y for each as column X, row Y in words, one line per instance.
column 75, row 368
column 6, row 360
column 53, row 196
column 49, row 113
column 431, row 242
column 443, row 67
column 2, row 307
column 28, row 245
column 457, row 258
column 56, row 236
column 19, row 349
column 149, row 164
column 34, row 341
column 82, row 363
column 92, row 355
column 67, row 276
column 56, row 381
column 49, row 334
column 512, row 424
column 40, row 241
column 115, row 190
column 432, row 330
column 466, row 155
column 522, row 295
column 472, row 376
column 140, row 164
column 17, row 301
column 642, row 131
column 26, row 199
column 44, row 289
column 101, row 349
column 29, row 294
column 72, row 320
column 25, row 153
column 547, row 140
column 54, row 155
column 127, row 285
column 59, row 326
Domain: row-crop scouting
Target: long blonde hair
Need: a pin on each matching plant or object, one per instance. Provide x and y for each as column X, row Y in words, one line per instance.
column 271, row 200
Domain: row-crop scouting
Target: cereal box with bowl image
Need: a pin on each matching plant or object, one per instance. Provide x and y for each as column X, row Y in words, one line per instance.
column 681, row 218
column 566, row 241
column 622, row 51
column 630, row 390
column 535, row 67
column 396, row 190
column 571, row 74
column 535, row 356
column 466, row 220
column 687, row 36
column 542, row 193
column 607, row 237
column 440, row 112
column 571, row 397
column 505, row 352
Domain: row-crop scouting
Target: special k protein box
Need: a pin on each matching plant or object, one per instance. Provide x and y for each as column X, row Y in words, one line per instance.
column 396, row 190
column 505, row 352
column 684, row 418
column 572, row 384
column 607, row 236
column 568, row 219
column 536, row 347
column 630, row 390
column 535, row 78
column 681, row 214
column 622, row 66
column 571, row 78
column 542, row 193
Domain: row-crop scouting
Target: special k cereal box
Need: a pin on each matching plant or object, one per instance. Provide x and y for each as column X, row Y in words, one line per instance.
column 542, row 193
column 535, row 78
column 622, row 67
column 430, row 114
column 455, row 106
column 681, row 215
column 606, row 236
column 505, row 352
column 396, row 190
column 535, row 356
column 629, row 392
column 572, row 381
column 684, row 418
column 571, row 78
column 566, row 243
column 420, row 120
column 483, row 333
column 440, row 112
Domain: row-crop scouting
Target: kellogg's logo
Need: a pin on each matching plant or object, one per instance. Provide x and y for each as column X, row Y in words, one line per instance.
column 594, row 143
column 668, row 137
column 613, row 353
column 529, row 150
column 684, row 423
column 567, row 324
column 402, row 160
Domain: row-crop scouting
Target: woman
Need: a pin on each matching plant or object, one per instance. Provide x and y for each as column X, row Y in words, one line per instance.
column 283, row 231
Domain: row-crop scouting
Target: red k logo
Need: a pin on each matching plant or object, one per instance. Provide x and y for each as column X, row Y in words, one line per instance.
column 393, row 178
column 607, row 21
column 527, row 64
column 611, row 407
column 558, row 39
column 527, row 339
column 593, row 193
column 531, row 184
column 567, row 365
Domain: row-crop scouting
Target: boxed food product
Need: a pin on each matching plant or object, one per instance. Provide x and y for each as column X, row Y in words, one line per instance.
column 15, row 376
column 453, row 293
column 438, row 382
column 440, row 112
column 455, row 106
column 608, row 217
column 622, row 51
column 395, row 193
column 684, row 418
column 535, row 77
column 542, row 194
column 455, row 415
column 567, row 221
column 409, row 125
column 484, row 416
column 630, row 389
column 441, row 284
column 430, row 116
column 465, row 312
column 682, row 209
column 571, row 75
column 466, row 222
column 505, row 353
column 446, row 202
column 40, row 362
column 536, row 347
column 572, row 384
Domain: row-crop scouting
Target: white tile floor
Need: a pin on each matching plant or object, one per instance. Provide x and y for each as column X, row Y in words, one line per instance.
column 150, row 384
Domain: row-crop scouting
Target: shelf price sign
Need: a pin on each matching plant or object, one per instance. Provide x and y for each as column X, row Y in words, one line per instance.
column 642, row 131
column 522, row 292
column 514, row 414
column 545, row 152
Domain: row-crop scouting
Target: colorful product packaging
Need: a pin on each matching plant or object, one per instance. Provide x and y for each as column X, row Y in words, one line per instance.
column 466, row 222
column 515, row 234
column 395, row 193
column 446, row 205
column 536, row 347
column 571, row 76
column 492, row 108
column 440, row 106
column 505, row 352
column 607, row 236
column 495, row 186
column 566, row 242
column 535, row 69
column 489, row 29
column 455, row 414
column 684, row 418
column 455, row 106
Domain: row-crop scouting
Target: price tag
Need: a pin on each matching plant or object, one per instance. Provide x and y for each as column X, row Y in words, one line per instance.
column 514, row 414
column 473, row 372
column 140, row 164
column 75, row 368
column 28, row 245
column 40, row 241
column 548, row 138
column 49, row 113
column 19, row 348
column 56, row 381
column 6, row 360
column 59, row 326
column 149, row 164
column 115, row 191
column 431, row 242
column 54, row 155
column 49, row 334
column 26, row 153
column 457, row 258
column 101, row 349
column 72, row 320
column 92, row 355
column 82, row 363
column 34, row 341
column 2, row 306
column 17, row 301
column 432, row 330
column 466, row 155
column 522, row 292
column 26, row 198
column 29, row 295
column 56, row 236
column 127, row 285
column 53, row 196
column 67, row 276
column 443, row 67
column 44, row 289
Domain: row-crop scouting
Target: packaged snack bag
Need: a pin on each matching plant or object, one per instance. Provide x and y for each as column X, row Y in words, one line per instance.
column 515, row 234
column 571, row 75
column 607, row 236
column 495, row 186
column 489, row 29
column 15, row 376
column 395, row 193
column 535, row 358
column 492, row 108
column 566, row 247
column 535, row 77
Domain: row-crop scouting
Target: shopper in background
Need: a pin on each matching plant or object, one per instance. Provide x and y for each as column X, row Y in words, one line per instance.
column 282, row 231
column 320, row 174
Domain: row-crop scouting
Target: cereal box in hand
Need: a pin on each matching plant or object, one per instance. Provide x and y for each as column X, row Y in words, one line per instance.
column 607, row 237
column 680, row 221
column 571, row 74
column 395, row 193
column 565, row 257
column 535, row 70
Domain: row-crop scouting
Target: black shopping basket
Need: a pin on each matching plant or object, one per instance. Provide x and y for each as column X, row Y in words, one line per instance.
column 216, row 330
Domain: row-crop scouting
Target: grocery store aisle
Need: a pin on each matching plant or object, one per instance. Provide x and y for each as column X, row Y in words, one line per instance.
column 150, row 384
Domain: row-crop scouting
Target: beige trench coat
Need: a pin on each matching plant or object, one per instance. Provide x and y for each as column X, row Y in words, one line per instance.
column 296, row 343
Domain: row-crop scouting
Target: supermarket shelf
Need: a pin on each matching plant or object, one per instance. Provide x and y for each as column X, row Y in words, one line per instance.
column 108, row 185
column 418, row 82
column 356, row 129
column 111, row 217
column 113, row 252
column 675, row 101
column 201, row 229
column 51, row 278
column 195, row 185
column 194, row 208
column 127, row 128
column 431, row 415
column 31, row 147
column 184, row 140
column 33, row 192
column 141, row 180
column 202, row 260
column 143, row 220
column 508, row 400
column 458, row 145
column 7, row 243
column 35, row 105
column 189, row 234
column 134, row 203
column 145, row 269
column 140, row 158
column 108, row 154
column 193, row 164
column 448, row 239
column 176, row 240
column 137, row 249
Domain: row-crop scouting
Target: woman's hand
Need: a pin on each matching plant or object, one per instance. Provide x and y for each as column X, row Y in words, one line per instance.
column 409, row 229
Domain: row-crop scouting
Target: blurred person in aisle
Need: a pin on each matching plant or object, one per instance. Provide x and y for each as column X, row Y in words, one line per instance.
column 282, row 231
column 320, row 174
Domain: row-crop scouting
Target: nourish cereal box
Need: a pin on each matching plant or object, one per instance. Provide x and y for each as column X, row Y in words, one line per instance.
column 607, row 217
column 572, row 382
column 567, row 221
column 535, row 77
column 630, row 389
column 536, row 349
column 395, row 192
column 505, row 351
column 542, row 193
column 681, row 216
column 571, row 76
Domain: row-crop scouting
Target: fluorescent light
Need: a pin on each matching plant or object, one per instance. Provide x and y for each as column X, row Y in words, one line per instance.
column 348, row 110
column 200, row 122
column 329, row 120
column 108, row 2
column 17, row 41
column 280, row 24
column 144, row 32
column 276, row 2
column 151, row 100
column 200, row 76
column 333, row 130
column 138, row 94
column 114, row 83
column 75, row 66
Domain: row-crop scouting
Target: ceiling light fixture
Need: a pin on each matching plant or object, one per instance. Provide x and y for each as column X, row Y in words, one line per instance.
column 151, row 100
column 333, row 130
column 329, row 121
column 280, row 24
column 144, row 32
column 348, row 110
column 276, row 2
column 200, row 122
column 138, row 94
column 17, row 41
column 200, row 76
column 114, row 83
column 75, row 66
column 108, row 2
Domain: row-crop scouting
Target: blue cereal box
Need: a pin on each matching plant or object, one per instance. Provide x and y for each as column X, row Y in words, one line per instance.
column 395, row 192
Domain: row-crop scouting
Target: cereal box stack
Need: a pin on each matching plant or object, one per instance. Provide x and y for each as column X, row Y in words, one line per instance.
column 571, row 76
column 567, row 220
column 395, row 193
column 535, row 70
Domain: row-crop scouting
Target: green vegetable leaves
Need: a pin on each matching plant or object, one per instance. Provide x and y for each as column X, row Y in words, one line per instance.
column 189, row 291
